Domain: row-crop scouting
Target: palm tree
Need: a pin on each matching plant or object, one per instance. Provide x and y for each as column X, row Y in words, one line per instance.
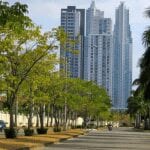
column 144, row 79
column 137, row 107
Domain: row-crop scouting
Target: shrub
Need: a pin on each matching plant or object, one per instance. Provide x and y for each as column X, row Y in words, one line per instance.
column 28, row 132
column 10, row 133
column 79, row 126
column 42, row 130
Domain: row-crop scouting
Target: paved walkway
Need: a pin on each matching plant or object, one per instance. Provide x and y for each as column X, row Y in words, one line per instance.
column 118, row 139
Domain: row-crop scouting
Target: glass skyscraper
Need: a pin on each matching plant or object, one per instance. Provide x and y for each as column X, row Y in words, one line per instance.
column 122, row 59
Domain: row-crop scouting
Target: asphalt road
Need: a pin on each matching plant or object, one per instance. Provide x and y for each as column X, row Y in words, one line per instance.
column 118, row 139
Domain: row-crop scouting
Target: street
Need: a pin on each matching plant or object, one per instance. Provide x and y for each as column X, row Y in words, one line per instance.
column 121, row 139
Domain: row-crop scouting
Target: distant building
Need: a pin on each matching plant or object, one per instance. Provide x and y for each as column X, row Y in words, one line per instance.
column 98, row 48
column 93, row 17
column 73, row 22
column 122, row 58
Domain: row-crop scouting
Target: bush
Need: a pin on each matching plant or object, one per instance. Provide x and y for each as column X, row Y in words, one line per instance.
column 28, row 132
column 10, row 133
column 76, row 127
column 42, row 130
column 57, row 129
column 79, row 126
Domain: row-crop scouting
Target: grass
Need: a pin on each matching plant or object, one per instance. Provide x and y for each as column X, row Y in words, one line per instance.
column 37, row 140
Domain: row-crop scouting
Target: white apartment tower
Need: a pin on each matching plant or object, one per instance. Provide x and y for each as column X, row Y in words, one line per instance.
column 98, row 48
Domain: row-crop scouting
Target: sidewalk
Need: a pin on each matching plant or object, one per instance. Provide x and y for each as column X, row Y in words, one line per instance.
column 38, row 141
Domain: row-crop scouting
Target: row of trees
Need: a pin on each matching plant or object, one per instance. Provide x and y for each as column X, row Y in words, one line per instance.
column 28, row 76
column 139, row 102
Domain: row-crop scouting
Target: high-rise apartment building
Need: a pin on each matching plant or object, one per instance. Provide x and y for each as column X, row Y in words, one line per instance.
column 122, row 58
column 98, row 48
column 73, row 22
column 93, row 17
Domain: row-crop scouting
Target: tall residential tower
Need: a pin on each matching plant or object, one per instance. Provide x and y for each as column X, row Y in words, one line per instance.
column 73, row 22
column 122, row 58
column 98, row 48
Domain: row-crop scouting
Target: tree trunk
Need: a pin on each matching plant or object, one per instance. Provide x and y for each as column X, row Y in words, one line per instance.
column 30, row 115
column 76, row 116
column 137, row 120
column 16, row 112
column 145, row 123
column 61, row 119
column 59, row 115
column 65, row 116
column 37, row 120
column 69, row 118
column 52, row 115
column 11, row 100
column 41, row 115
column 72, row 119
column 11, row 117
column 97, row 121
column 56, row 118
column 48, row 111
column 147, row 120
column 30, row 108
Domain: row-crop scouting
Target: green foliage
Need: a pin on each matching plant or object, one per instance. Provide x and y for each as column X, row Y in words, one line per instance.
column 27, row 69
column 28, row 132
column 42, row 130
column 139, row 102
column 144, row 80
column 80, row 95
column 14, row 16
column 22, row 47
column 10, row 133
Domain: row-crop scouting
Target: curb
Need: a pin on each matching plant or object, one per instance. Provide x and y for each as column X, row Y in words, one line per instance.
column 39, row 147
column 24, row 148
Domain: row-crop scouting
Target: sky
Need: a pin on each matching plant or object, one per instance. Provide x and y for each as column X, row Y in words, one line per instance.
column 46, row 13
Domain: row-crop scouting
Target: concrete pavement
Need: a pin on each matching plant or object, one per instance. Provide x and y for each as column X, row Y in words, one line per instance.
column 118, row 139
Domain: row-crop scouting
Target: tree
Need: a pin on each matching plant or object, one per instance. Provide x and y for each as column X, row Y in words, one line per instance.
column 137, row 107
column 35, row 87
column 143, row 82
column 41, row 93
column 90, row 100
column 22, row 46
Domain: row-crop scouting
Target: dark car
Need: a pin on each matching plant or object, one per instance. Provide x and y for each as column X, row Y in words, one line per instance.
column 2, row 125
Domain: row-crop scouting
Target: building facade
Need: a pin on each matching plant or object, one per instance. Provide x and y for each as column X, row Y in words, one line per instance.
column 122, row 58
column 73, row 22
column 98, row 48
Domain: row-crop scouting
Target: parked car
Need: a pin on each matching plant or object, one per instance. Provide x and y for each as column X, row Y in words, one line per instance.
column 2, row 125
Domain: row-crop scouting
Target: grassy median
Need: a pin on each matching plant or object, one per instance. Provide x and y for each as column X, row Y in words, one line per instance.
column 30, row 142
